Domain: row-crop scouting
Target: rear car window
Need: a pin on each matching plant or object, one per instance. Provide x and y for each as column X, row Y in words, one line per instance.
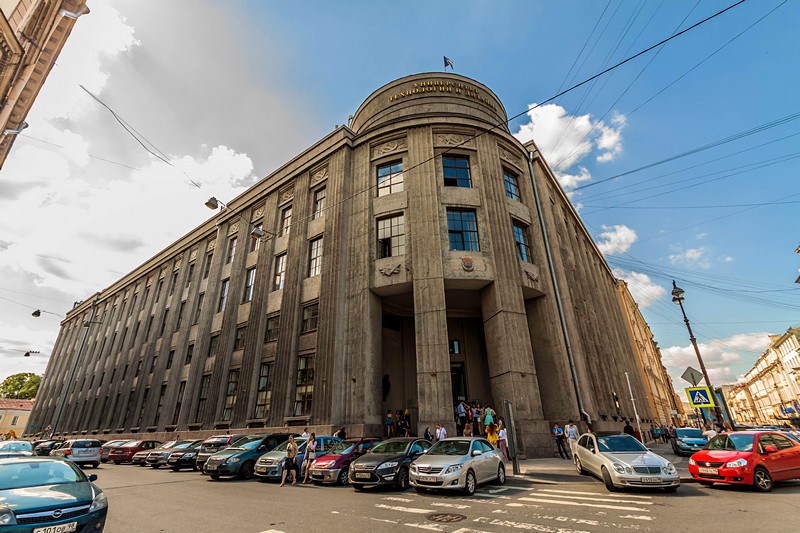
column 86, row 444
column 221, row 441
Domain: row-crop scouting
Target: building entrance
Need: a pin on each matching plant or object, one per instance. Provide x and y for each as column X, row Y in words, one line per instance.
column 458, row 380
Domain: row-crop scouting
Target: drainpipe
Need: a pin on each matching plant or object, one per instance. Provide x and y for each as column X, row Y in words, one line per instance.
column 559, row 304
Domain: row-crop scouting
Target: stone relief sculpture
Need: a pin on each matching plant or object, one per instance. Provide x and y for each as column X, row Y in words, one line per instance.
column 390, row 271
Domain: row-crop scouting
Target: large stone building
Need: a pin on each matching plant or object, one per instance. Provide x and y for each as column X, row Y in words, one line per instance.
column 32, row 33
column 404, row 264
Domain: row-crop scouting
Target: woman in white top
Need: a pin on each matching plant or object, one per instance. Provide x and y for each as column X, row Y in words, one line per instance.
column 503, row 440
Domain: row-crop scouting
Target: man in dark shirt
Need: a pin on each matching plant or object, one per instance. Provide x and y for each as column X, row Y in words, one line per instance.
column 628, row 429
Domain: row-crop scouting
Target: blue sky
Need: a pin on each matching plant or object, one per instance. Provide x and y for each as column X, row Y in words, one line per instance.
column 230, row 91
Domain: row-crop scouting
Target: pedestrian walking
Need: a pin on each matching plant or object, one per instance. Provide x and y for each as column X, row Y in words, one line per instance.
column 389, row 424
column 479, row 416
column 491, row 434
column 488, row 415
column 468, row 430
column 572, row 437
column 399, row 424
column 628, row 429
column 311, row 454
column 502, row 436
column 290, row 462
column 461, row 415
column 558, row 434
column 428, row 435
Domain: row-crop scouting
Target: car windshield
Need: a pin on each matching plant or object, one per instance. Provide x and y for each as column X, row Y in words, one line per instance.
column 169, row 444
column 131, row 444
column 342, row 448
column 282, row 447
column 183, row 444
column 250, row 442
column 620, row 444
column 732, row 442
column 690, row 433
column 16, row 446
column 450, row 447
column 114, row 444
column 36, row 473
column 397, row 446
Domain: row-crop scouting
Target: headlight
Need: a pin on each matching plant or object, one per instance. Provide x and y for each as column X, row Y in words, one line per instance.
column 669, row 469
column 323, row 464
column 189, row 455
column 619, row 468
column 738, row 463
column 691, row 461
column 7, row 517
column 386, row 466
column 453, row 468
column 99, row 502
column 414, row 468
column 233, row 460
column 679, row 442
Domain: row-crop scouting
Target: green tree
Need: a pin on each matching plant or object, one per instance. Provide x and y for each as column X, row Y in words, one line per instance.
column 23, row 386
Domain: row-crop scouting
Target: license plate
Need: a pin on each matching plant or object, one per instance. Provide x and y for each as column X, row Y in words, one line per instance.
column 210, row 468
column 61, row 528
column 362, row 475
column 707, row 470
column 651, row 480
column 429, row 479
column 173, row 460
column 261, row 469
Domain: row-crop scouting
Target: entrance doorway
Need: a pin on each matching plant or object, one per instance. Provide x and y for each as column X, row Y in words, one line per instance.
column 458, row 379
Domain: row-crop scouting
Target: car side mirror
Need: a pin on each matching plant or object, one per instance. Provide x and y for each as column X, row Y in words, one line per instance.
column 92, row 477
column 476, row 453
column 261, row 448
column 770, row 449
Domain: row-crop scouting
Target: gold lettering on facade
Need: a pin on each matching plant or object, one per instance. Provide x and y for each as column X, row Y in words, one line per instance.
column 444, row 86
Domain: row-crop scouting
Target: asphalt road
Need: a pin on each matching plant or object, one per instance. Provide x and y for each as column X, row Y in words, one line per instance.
column 147, row 500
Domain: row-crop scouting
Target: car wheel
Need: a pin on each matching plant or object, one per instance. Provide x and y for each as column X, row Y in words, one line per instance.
column 358, row 486
column 246, row 471
column 343, row 479
column 194, row 468
column 103, row 460
column 156, row 466
column 762, row 481
column 402, row 479
column 117, row 462
column 579, row 467
column 95, row 464
column 470, row 483
column 214, row 476
column 175, row 469
column 607, row 480
column 501, row 475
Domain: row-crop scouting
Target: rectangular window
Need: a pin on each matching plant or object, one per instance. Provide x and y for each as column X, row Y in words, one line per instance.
column 122, row 341
column 213, row 345
column 190, row 352
column 241, row 333
column 273, row 327
column 521, row 241
column 231, row 390
column 189, row 274
column 319, row 203
column 462, row 229
column 176, row 414
column 173, row 281
column 286, row 221
column 456, row 171
column 223, row 295
column 180, row 315
column 231, row 250
column 163, row 322
column 138, row 368
column 207, row 266
column 143, row 406
column 249, row 284
column 310, row 318
column 201, row 402
column 264, row 395
column 14, row 420
column 304, row 385
column 390, row 178
column 391, row 236
column 280, row 272
column 512, row 184
column 255, row 242
column 124, row 372
column 170, row 357
column 160, row 406
column 153, row 366
column 199, row 308
column 149, row 327
column 315, row 257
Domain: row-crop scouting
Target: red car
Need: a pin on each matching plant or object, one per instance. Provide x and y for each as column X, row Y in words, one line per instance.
column 756, row 458
column 333, row 466
column 126, row 452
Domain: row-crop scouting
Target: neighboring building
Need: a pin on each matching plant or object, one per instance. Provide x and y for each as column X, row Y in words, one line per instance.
column 404, row 267
column 32, row 34
column 13, row 416
column 660, row 392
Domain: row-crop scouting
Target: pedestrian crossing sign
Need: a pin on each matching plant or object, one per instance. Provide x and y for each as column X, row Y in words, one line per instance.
column 700, row 397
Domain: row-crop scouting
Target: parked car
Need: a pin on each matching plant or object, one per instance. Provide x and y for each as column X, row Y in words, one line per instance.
column 160, row 456
column 47, row 446
column 184, row 458
column 459, row 463
column 688, row 441
column 270, row 465
column 240, row 458
column 49, row 494
column 140, row 457
column 757, row 458
column 333, row 467
column 212, row 445
column 15, row 448
column 387, row 463
column 80, row 451
column 125, row 452
column 622, row 461
column 106, row 447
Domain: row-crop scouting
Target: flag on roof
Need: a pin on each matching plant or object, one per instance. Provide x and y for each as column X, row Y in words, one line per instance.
column 448, row 63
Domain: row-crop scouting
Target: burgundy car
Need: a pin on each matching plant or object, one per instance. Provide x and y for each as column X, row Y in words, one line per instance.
column 126, row 452
column 333, row 466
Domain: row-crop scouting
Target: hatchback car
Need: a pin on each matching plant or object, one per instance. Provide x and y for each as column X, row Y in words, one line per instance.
column 160, row 456
column 387, row 463
column 270, row 465
column 240, row 458
column 49, row 495
column 334, row 466
column 15, row 448
column 80, row 451
column 688, row 441
column 211, row 446
column 47, row 446
column 458, row 463
column 140, row 457
column 106, row 447
column 184, row 458
column 754, row 458
column 622, row 461
column 125, row 452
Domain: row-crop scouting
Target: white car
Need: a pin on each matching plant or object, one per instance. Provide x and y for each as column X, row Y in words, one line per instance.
column 622, row 461
column 458, row 463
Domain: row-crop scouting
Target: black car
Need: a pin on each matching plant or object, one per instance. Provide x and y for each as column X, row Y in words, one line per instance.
column 47, row 446
column 211, row 446
column 387, row 463
column 240, row 458
column 185, row 458
column 160, row 456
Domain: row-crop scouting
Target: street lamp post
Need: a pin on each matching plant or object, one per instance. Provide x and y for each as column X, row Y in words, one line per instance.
column 677, row 297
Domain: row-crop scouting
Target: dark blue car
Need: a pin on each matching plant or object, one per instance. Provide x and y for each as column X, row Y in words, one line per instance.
column 44, row 492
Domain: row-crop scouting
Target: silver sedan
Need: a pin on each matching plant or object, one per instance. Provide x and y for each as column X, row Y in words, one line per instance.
column 459, row 463
column 622, row 461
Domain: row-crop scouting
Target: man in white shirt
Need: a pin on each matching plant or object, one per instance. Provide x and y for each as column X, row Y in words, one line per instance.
column 573, row 433
column 305, row 432
column 441, row 433
column 709, row 433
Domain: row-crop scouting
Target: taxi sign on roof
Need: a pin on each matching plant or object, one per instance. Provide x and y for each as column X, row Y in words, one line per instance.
column 700, row 397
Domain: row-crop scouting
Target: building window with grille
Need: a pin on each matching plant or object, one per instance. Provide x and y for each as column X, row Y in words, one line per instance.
column 304, row 385
column 189, row 353
column 512, row 185
column 462, row 228
column 315, row 257
column 223, row 295
column 255, row 242
column 207, row 266
column 318, row 205
column 241, row 333
column 264, row 395
column 280, row 272
column 286, row 221
column 231, row 250
column 456, row 171
column 310, row 318
column 521, row 241
column 231, row 390
column 199, row 308
column 201, row 402
column 213, row 345
column 273, row 328
column 249, row 284
column 390, row 178
column 391, row 236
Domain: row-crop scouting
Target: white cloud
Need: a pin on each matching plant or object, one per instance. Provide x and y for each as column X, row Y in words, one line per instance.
column 726, row 259
column 570, row 181
column 616, row 239
column 644, row 290
column 691, row 257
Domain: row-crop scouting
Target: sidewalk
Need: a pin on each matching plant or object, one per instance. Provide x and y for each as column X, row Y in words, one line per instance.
column 556, row 470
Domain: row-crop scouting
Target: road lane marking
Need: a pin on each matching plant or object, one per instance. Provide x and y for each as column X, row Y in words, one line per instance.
column 429, row 527
column 584, row 498
column 396, row 499
column 637, row 517
column 495, row 491
column 383, row 520
column 468, row 530
column 583, row 504
column 590, row 493
column 426, row 511
column 523, row 525
column 491, row 496
column 451, row 505
column 578, row 521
